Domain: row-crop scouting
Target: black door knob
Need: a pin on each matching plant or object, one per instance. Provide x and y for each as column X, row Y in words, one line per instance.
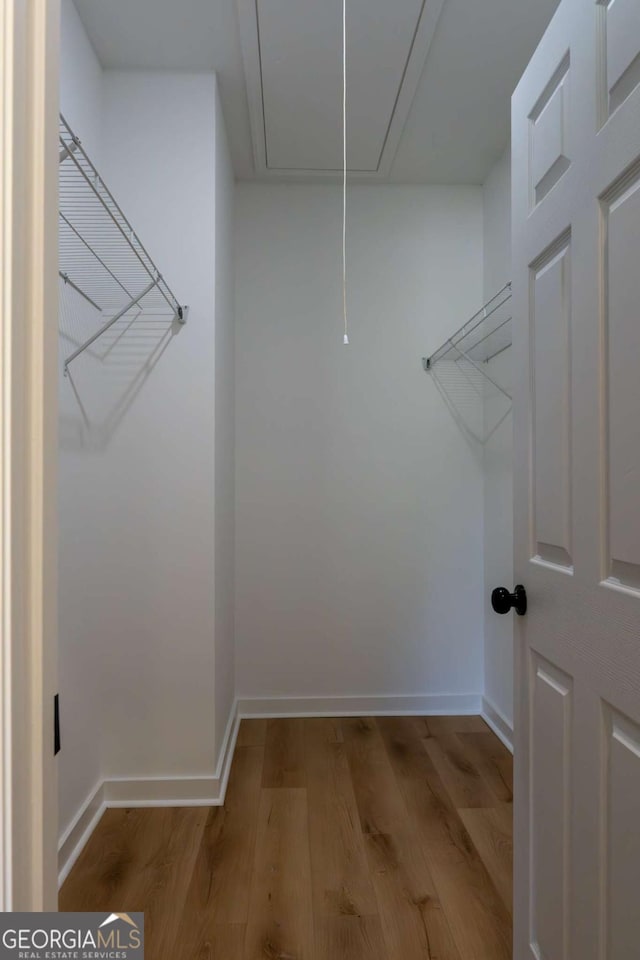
column 502, row 601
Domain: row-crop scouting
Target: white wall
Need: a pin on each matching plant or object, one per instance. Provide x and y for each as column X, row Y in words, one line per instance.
column 147, row 529
column 498, row 469
column 162, row 676
column 359, row 501
column 80, row 81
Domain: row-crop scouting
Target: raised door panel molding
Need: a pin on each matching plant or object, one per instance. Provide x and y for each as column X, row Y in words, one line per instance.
column 549, row 134
column 619, row 33
column 621, row 444
column 550, row 323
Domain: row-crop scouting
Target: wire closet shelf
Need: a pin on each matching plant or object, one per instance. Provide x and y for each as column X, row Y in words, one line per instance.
column 482, row 338
column 100, row 256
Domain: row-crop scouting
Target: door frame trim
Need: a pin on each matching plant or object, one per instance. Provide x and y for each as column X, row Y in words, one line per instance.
column 29, row 81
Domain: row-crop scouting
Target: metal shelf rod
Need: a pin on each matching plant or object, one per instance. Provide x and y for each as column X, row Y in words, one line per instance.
column 490, row 334
column 74, row 286
column 507, row 346
column 68, row 150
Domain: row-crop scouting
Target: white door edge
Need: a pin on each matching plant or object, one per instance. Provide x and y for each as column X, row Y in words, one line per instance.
column 29, row 43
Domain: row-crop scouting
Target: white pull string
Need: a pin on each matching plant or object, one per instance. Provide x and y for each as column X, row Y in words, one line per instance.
column 344, row 172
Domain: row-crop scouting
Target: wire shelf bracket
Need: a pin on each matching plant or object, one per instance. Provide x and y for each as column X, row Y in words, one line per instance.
column 482, row 338
column 100, row 255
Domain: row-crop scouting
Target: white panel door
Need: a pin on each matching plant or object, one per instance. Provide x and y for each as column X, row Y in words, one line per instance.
column 576, row 262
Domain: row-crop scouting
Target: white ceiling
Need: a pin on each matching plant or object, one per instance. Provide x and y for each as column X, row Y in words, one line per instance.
column 429, row 91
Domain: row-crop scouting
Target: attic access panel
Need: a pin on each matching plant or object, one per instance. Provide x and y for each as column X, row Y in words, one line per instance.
column 293, row 66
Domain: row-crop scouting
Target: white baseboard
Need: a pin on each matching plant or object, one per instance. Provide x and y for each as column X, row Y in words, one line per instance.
column 423, row 705
column 76, row 836
column 162, row 792
column 228, row 748
column 498, row 722
column 179, row 791
column 148, row 792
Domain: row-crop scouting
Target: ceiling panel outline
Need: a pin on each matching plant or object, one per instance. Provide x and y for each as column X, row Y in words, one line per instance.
column 417, row 53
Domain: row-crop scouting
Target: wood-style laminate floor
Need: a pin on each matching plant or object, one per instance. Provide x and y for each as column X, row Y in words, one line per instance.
column 352, row 839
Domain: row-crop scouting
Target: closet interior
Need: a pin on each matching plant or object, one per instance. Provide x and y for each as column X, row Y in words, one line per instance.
column 256, row 520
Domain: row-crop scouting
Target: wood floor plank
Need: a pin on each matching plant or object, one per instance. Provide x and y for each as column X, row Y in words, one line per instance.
column 100, row 873
column 157, row 877
column 494, row 761
column 405, row 743
column 328, row 729
column 479, row 921
column 218, row 893
column 350, row 938
column 414, row 923
column 404, row 729
column 140, row 860
column 340, row 874
column 380, row 803
column 222, row 942
column 458, row 771
column 252, row 733
column 491, row 830
column 412, row 918
column 281, row 916
column 284, row 754
column 160, row 887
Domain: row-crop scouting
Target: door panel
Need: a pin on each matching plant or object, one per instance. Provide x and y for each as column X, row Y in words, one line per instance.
column 621, row 211
column 576, row 285
column 551, row 386
column 619, row 26
column 550, row 809
column 549, row 134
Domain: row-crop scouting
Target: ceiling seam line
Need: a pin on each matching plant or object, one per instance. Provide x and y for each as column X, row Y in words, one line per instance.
column 264, row 112
column 402, row 80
